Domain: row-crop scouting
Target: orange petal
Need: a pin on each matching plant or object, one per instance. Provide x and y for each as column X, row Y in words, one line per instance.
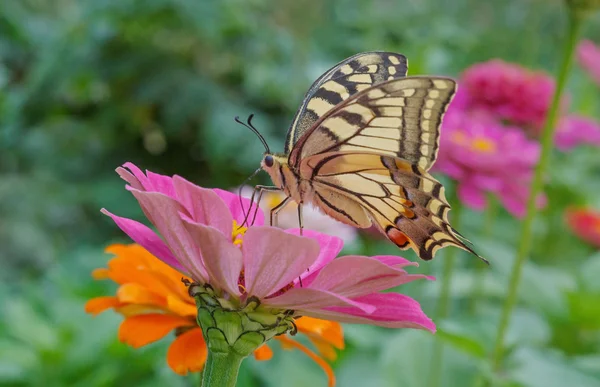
column 263, row 353
column 143, row 329
column 100, row 304
column 180, row 307
column 137, row 294
column 188, row 352
column 328, row 331
column 334, row 335
column 324, row 348
column 128, row 310
column 287, row 342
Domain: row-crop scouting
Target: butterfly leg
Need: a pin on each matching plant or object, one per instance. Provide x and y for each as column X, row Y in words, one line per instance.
column 300, row 219
column 260, row 189
column 275, row 210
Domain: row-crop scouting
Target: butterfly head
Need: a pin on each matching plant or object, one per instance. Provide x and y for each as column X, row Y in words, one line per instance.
column 274, row 165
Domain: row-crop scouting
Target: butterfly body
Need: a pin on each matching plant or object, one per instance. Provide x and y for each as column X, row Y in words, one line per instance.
column 360, row 148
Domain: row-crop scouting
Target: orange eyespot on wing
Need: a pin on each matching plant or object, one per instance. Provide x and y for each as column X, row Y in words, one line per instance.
column 398, row 238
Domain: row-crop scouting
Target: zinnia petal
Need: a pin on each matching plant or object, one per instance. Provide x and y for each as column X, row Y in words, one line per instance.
column 263, row 353
column 307, row 298
column 393, row 310
column 330, row 247
column 273, row 259
column 223, row 259
column 134, row 293
column 144, row 329
column 165, row 215
column 147, row 238
column 472, row 196
column 204, row 205
column 353, row 276
column 188, row 352
column 100, row 304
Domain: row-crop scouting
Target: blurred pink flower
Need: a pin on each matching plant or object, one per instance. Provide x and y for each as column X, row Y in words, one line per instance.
column 486, row 157
column 585, row 223
column 574, row 130
column 508, row 91
column 312, row 218
column 588, row 55
column 202, row 240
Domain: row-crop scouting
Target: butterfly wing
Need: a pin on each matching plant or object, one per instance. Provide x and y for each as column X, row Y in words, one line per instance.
column 398, row 118
column 346, row 78
column 404, row 201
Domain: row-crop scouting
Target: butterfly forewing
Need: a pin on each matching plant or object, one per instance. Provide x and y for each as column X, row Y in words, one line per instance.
column 399, row 118
column 343, row 80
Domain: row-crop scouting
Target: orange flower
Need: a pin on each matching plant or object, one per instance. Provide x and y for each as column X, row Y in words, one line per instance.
column 585, row 223
column 155, row 302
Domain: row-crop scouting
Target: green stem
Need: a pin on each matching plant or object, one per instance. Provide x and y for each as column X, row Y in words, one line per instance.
column 536, row 188
column 480, row 267
column 221, row 369
column 443, row 307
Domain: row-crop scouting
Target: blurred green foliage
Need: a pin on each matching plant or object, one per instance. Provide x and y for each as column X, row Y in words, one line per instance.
column 88, row 85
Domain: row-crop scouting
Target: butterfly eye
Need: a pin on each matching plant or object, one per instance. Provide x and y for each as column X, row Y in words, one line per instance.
column 269, row 161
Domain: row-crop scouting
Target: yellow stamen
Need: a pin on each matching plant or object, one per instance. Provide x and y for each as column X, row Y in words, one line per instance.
column 483, row 145
column 480, row 144
column 236, row 232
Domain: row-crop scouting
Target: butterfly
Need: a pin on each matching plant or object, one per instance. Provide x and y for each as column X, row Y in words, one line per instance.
column 360, row 148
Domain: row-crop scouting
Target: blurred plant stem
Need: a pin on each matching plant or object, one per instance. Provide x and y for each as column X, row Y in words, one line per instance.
column 480, row 267
column 221, row 369
column 574, row 26
column 443, row 307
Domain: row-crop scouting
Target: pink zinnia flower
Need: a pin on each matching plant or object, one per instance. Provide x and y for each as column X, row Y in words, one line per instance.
column 588, row 55
column 574, row 130
column 509, row 91
column 486, row 157
column 280, row 269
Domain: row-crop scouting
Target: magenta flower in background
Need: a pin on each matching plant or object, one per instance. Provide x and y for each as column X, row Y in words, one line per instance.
column 588, row 55
column 203, row 240
column 484, row 156
column 574, row 130
column 508, row 91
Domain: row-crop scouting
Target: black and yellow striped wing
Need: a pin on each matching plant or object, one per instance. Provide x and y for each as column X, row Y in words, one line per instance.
column 399, row 118
column 405, row 202
column 343, row 80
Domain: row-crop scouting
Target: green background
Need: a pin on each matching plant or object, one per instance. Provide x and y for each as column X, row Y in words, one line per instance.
column 88, row 85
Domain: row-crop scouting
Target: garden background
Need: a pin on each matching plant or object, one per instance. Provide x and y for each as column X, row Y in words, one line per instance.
column 87, row 86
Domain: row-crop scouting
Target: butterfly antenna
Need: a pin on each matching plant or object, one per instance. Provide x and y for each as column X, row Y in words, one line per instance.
column 249, row 125
column 246, row 215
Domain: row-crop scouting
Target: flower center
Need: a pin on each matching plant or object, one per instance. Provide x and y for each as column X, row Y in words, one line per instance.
column 237, row 233
column 477, row 144
column 483, row 145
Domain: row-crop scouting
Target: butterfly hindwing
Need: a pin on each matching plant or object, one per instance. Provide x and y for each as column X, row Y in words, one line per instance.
column 401, row 199
column 343, row 80
column 398, row 118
